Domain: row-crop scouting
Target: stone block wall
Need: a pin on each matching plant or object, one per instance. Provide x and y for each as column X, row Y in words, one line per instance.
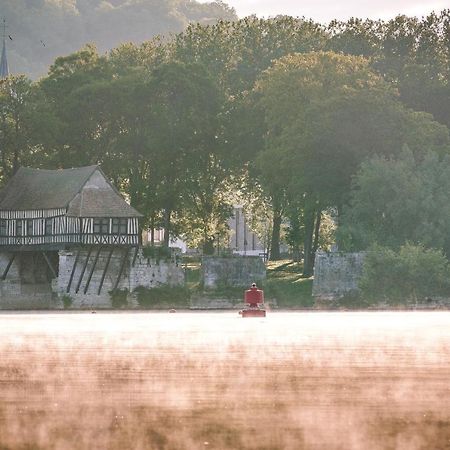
column 29, row 283
column 336, row 274
column 138, row 271
column 151, row 273
column 232, row 271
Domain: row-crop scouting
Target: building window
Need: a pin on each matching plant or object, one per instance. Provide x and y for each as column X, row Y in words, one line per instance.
column 3, row 227
column 19, row 228
column 101, row 226
column 119, row 226
column 48, row 227
column 29, row 227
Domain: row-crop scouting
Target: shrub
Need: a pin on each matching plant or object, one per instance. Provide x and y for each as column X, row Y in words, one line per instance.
column 67, row 301
column 119, row 298
column 177, row 296
column 157, row 252
column 413, row 273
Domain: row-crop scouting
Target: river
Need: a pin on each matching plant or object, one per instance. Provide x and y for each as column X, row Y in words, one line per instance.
column 312, row 380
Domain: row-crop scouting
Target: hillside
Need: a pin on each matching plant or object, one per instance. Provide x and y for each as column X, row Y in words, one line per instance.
column 41, row 30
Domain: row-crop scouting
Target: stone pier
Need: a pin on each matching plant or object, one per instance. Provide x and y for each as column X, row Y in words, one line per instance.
column 30, row 284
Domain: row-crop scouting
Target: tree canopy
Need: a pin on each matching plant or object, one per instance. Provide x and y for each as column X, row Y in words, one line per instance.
column 396, row 201
column 279, row 114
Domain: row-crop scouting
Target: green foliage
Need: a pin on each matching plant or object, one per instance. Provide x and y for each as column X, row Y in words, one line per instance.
column 163, row 297
column 411, row 274
column 192, row 271
column 119, row 298
column 282, row 111
column 67, row 301
column 157, row 252
column 323, row 113
column 395, row 201
column 286, row 284
column 18, row 121
column 412, row 53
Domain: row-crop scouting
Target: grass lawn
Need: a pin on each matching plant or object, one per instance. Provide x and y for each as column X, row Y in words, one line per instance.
column 286, row 285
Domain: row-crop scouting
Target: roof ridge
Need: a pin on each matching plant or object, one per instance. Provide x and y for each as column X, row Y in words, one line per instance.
column 38, row 169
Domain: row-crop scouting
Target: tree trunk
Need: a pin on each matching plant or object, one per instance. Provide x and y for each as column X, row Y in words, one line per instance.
column 295, row 234
column 312, row 230
column 276, row 232
column 317, row 232
column 208, row 246
column 167, row 226
column 308, row 263
column 152, row 231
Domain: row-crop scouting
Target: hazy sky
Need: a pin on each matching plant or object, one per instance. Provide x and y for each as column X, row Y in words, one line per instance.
column 325, row 10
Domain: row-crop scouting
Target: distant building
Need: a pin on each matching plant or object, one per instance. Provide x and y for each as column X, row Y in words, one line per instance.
column 242, row 239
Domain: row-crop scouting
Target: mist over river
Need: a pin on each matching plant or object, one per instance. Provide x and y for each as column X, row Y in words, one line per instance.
column 378, row 380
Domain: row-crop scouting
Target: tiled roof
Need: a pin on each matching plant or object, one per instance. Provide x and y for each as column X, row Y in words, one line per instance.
column 43, row 189
column 32, row 189
column 92, row 202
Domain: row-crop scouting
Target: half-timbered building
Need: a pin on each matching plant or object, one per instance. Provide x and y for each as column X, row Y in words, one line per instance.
column 48, row 215
column 53, row 209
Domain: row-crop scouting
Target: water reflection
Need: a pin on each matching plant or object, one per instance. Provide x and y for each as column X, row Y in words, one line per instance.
column 190, row 381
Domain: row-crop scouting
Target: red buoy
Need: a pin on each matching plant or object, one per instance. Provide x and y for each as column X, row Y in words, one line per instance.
column 254, row 298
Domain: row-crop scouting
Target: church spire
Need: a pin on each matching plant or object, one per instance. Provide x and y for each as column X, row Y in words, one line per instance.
column 4, row 71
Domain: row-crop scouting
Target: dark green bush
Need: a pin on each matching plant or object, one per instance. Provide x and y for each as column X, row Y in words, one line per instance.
column 157, row 252
column 177, row 296
column 119, row 298
column 411, row 274
column 67, row 301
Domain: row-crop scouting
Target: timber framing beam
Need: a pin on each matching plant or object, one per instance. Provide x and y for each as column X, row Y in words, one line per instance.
column 50, row 265
column 105, row 270
column 73, row 271
column 122, row 266
column 136, row 251
column 11, row 260
column 83, row 270
column 91, row 272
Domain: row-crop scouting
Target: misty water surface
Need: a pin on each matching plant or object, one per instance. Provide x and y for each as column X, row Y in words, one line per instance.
column 215, row 380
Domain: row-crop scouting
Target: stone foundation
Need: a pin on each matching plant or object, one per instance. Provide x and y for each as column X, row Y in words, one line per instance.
column 29, row 283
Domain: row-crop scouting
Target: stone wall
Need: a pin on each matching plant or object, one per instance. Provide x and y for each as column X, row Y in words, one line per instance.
column 232, row 271
column 336, row 274
column 29, row 283
column 138, row 271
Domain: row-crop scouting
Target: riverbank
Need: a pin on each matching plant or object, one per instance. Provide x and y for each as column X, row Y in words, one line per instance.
column 285, row 289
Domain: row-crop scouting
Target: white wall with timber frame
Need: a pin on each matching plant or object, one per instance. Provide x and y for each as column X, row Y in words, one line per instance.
column 43, row 227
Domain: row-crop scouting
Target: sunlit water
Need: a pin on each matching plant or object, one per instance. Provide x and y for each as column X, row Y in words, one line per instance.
column 216, row 380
